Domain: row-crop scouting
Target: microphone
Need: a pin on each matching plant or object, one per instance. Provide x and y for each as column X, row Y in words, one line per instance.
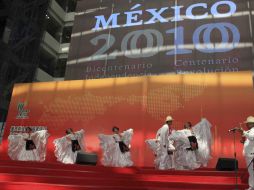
column 233, row 129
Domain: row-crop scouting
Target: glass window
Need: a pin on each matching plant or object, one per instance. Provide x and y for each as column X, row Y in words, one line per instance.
column 53, row 28
column 47, row 63
column 67, row 34
column 67, row 5
column 60, row 68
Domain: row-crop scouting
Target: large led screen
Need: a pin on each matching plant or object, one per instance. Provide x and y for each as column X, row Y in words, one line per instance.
column 122, row 38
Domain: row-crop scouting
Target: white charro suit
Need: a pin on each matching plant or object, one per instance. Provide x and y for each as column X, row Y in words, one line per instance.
column 165, row 160
column 248, row 152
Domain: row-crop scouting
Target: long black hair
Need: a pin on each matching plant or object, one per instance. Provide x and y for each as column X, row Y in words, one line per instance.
column 28, row 129
column 69, row 131
column 115, row 128
column 189, row 123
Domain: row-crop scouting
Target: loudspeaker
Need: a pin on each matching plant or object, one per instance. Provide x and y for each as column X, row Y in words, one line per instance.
column 85, row 158
column 227, row 164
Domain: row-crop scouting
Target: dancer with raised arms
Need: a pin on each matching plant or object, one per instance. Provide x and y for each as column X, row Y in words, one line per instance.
column 116, row 148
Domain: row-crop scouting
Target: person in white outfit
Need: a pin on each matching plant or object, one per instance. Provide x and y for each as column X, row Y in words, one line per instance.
column 116, row 148
column 67, row 147
column 248, row 149
column 28, row 146
column 163, row 147
column 193, row 145
column 186, row 146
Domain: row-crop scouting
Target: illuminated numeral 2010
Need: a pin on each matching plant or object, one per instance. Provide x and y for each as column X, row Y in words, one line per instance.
column 154, row 42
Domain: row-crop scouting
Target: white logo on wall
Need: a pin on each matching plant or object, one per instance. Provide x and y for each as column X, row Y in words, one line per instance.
column 22, row 111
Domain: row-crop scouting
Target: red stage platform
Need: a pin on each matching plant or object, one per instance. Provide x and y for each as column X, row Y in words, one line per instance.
column 46, row 176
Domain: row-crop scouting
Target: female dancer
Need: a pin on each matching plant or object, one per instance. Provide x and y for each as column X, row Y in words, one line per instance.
column 67, row 147
column 116, row 148
column 28, row 146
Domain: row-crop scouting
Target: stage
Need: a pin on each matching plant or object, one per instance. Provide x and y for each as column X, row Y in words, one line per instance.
column 139, row 103
column 15, row 175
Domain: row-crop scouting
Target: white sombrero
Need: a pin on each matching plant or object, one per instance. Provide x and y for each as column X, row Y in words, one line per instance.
column 169, row 118
column 249, row 119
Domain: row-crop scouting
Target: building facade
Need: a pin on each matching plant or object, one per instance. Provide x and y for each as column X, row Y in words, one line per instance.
column 34, row 42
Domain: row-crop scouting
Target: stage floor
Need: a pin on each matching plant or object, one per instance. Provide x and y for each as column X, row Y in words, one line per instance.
column 46, row 176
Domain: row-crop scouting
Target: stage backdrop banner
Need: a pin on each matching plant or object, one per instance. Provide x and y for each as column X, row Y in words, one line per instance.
column 122, row 38
column 142, row 103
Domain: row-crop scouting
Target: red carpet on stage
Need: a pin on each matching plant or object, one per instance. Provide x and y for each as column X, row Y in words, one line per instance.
column 46, row 176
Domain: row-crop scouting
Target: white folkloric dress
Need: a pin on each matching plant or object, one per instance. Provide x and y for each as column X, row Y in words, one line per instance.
column 161, row 147
column 63, row 147
column 186, row 159
column 112, row 155
column 17, row 146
